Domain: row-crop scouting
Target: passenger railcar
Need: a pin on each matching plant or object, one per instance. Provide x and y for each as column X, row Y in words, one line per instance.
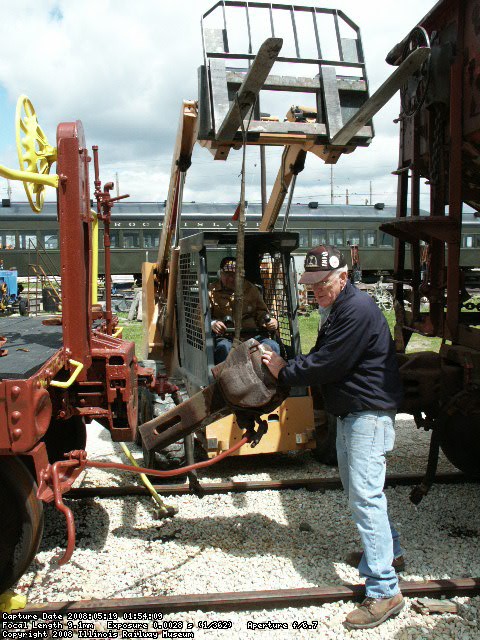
column 135, row 232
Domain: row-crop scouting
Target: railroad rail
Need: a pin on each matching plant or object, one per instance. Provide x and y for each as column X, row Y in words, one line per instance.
column 212, row 488
column 246, row 600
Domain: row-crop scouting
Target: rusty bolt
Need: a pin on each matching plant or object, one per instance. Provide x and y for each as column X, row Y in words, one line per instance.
column 82, row 402
column 15, row 392
column 61, row 414
column 16, row 434
column 16, row 415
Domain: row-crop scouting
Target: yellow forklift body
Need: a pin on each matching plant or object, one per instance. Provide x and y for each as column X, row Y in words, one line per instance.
column 290, row 428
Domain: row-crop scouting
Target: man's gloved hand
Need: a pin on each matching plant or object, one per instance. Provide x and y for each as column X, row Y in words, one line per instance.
column 218, row 327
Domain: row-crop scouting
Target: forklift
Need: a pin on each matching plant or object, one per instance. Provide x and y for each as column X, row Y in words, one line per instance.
column 226, row 117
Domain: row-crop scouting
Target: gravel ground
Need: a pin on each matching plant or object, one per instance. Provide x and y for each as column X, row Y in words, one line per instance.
column 261, row 540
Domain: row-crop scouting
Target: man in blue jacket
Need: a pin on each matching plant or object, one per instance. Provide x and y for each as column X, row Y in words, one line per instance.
column 354, row 361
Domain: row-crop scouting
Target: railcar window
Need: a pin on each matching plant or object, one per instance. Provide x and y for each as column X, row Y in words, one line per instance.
column 114, row 240
column 386, row 240
column 318, row 237
column 467, row 241
column 150, row 239
column 131, row 240
column 8, row 241
column 50, row 240
column 27, row 240
column 303, row 239
column 352, row 236
column 335, row 237
column 369, row 238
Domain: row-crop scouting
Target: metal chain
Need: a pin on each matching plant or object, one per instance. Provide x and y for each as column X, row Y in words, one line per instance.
column 240, row 255
column 437, row 147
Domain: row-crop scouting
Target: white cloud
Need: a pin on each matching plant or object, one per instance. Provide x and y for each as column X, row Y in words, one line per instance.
column 123, row 68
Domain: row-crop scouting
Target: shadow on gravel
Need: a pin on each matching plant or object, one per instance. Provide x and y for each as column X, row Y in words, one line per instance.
column 248, row 535
column 91, row 521
column 315, row 532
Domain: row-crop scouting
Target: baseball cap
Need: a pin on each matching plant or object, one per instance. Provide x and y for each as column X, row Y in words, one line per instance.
column 228, row 264
column 320, row 261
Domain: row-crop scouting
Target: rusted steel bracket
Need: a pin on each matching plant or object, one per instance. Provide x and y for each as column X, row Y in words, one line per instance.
column 56, row 479
column 105, row 203
column 163, row 387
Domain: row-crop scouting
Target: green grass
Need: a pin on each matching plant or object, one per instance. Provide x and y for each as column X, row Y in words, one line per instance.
column 308, row 327
column 131, row 330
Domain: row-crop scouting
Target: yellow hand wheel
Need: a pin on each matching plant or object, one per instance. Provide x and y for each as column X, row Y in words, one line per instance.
column 34, row 153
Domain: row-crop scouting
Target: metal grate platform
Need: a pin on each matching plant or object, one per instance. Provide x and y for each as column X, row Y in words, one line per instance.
column 30, row 344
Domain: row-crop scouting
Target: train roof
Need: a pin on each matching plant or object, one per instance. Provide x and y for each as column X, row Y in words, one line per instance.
column 148, row 210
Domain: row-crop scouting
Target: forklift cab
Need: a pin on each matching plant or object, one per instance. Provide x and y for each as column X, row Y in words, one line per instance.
column 300, row 422
column 268, row 264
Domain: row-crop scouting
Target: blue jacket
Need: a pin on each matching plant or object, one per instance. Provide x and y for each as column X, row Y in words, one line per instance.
column 353, row 359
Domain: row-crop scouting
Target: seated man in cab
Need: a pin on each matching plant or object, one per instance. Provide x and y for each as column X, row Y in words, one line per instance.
column 255, row 315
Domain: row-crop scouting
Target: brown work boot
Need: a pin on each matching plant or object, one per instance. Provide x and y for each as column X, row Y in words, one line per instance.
column 374, row 611
column 353, row 560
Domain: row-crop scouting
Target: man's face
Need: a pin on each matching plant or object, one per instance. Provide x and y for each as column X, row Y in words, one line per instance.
column 327, row 290
column 227, row 278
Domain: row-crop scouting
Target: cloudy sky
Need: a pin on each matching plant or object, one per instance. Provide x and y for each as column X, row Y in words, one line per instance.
column 123, row 68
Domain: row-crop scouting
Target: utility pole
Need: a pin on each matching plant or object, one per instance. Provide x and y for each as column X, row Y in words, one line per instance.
column 370, row 192
column 117, row 184
column 346, row 196
column 331, row 184
column 9, row 190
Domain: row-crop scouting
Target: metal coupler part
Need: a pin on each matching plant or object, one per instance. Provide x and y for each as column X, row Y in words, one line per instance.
column 243, row 386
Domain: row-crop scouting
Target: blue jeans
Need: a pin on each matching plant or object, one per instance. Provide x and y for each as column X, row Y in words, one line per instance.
column 363, row 438
column 223, row 347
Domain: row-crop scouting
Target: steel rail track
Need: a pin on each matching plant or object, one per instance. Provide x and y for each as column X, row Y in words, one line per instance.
column 246, row 600
column 211, row 488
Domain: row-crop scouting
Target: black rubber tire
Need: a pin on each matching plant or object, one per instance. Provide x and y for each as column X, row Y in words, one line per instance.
column 172, row 457
column 50, row 300
column 64, row 436
column 122, row 306
column 325, row 438
column 145, row 411
column 460, row 442
column 22, row 516
column 23, row 307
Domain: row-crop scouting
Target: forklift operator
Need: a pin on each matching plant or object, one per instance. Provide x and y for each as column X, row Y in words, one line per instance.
column 255, row 314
